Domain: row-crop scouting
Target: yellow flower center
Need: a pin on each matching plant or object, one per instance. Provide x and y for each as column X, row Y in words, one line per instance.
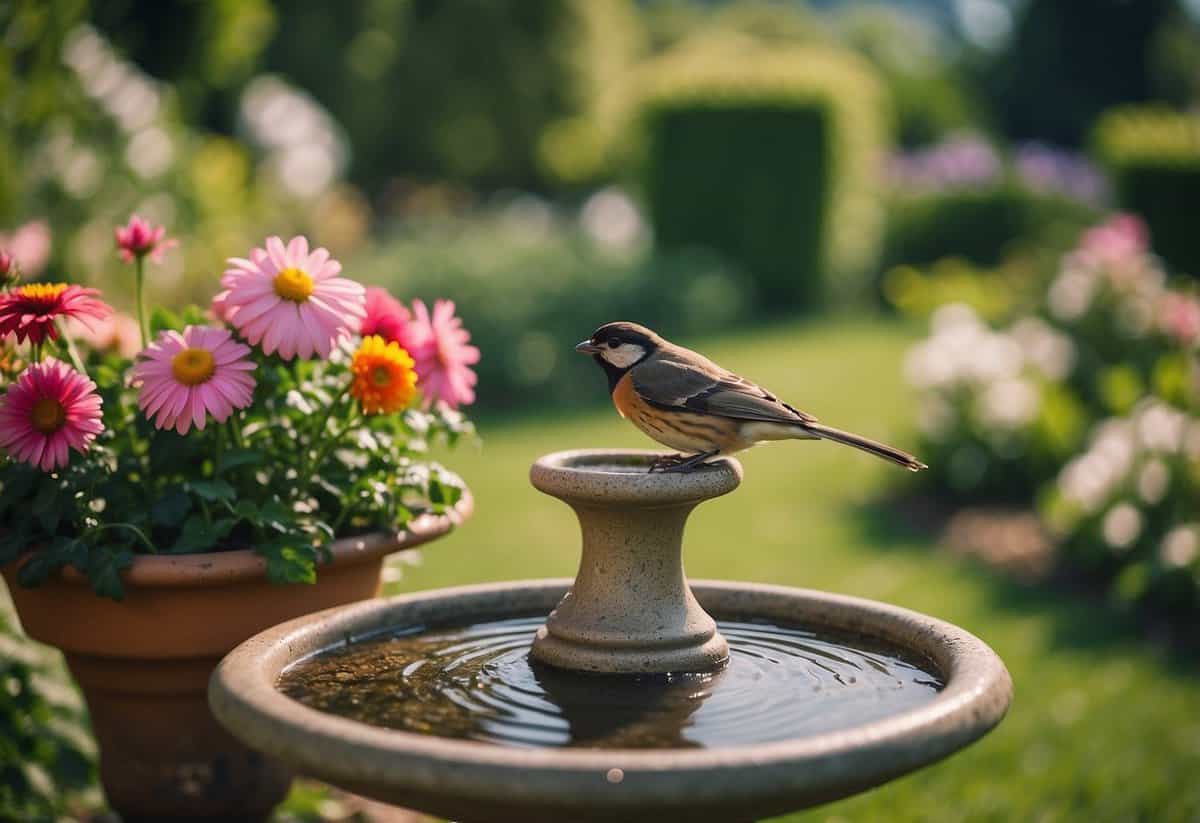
column 48, row 415
column 192, row 367
column 293, row 284
column 42, row 291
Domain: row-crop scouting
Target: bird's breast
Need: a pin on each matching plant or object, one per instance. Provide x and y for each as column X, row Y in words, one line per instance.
column 624, row 397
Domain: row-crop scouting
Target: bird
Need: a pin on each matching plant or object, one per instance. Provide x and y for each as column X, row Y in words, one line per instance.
column 688, row 403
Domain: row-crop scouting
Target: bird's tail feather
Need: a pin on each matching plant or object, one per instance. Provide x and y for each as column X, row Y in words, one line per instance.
column 874, row 447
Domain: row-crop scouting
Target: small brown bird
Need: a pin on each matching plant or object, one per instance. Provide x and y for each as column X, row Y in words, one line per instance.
column 687, row 402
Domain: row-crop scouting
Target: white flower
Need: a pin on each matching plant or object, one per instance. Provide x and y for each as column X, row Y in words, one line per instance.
column 954, row 316
column 929, row 366
column 1160, row 428
column 1153, row 480
column 1180, row 546
column 1122, row 525
column 992, row 356
column 612, row 221
column 1071, row 293
column 1009, row 403
column 1050, row 352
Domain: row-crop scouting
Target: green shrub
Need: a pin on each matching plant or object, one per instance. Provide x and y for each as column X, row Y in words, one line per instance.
column 1153, row 155
column 981, row 225
column 529, row 288
column 47, row 758
column 767, row 155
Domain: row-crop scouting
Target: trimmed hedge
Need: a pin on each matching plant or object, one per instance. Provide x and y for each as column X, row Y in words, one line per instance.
column 767, row 155
column 979, row 225
column 1153, row 156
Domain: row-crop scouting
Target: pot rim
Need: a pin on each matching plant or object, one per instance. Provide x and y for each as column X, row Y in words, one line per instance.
column 977, row 694
column 204, row 568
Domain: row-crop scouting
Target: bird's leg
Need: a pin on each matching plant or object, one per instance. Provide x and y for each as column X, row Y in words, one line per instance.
column 692, row 463
column 665, row 462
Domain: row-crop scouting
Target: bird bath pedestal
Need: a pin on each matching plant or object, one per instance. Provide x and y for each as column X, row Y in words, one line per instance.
column 459, row 703
column 630, row 609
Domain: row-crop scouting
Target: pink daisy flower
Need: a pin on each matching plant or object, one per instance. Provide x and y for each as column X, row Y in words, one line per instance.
column 48, row 410
column 290, row 300
column 443, row 354
column 388, row 318
column 186, row 377
column 29, row 311
column 141, row 238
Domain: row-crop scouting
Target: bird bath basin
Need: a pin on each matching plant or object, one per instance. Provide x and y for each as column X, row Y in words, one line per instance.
column 638, row 698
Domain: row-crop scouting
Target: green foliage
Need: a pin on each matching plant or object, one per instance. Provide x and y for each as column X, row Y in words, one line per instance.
column 529, row 291
column 1041, row 90
column 1085, row 402
column 46, row 759
column 469, row 86
column 769, row 160
column 297, row 469
column 929, row 96
column 982, row 225
column 1153, row 155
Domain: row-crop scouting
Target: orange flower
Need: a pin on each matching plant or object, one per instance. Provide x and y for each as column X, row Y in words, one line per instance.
column 384, row 379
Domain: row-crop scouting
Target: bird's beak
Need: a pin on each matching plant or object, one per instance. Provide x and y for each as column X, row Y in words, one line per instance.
column 588, row 347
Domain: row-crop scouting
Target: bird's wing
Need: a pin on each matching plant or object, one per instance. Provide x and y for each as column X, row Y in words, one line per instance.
column 699, row 385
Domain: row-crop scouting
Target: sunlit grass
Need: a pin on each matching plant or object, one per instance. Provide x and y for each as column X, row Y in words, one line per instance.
column 1103, row 726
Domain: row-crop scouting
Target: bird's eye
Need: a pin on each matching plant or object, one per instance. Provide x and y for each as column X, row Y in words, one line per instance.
column 613, row 342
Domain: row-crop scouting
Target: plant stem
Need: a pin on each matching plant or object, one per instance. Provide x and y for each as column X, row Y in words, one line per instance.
column 139, row 278
column 220, row 451
column 72, row 352
column 35, row 352
column 129, row 526
column 331, row 442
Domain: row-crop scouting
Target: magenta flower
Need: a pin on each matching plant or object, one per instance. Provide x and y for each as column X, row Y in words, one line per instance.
column 30, row 312
column 186, row 377
column 291, row 301
column 140, row 238
column 29, row 244
column 48, row 410
column 1179, row 317
column 388, row 318
column 1117, row 240
column 9, row 270
column 443, row 355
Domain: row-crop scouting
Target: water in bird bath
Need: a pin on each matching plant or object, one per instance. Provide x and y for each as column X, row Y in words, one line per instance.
column 478, row 682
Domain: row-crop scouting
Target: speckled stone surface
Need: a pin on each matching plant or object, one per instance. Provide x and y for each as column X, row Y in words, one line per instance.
column 630, row 609
column 472, row 781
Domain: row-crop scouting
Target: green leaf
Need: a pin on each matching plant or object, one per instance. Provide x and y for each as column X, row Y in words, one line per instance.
column 40, row 566
column 236, row 458
column 213, row 489
column 287, row 564
column 170, row 509
column 45, row 505
column 104, row 571
column 162, row 319
column 276, row 516
column 199, row 535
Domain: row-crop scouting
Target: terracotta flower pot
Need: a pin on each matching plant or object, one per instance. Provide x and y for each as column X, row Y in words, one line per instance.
column 143, row 664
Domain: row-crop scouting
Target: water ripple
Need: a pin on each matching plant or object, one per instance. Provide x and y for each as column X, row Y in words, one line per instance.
column 478, row 683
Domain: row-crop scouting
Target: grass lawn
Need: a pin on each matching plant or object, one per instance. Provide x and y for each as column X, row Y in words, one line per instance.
column 1103, row 726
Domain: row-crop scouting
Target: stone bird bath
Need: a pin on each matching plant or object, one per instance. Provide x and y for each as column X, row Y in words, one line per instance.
column 629, row 702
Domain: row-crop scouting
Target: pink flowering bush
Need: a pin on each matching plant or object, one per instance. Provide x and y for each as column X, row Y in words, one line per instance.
column 299, row 409
column 1086, row 406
